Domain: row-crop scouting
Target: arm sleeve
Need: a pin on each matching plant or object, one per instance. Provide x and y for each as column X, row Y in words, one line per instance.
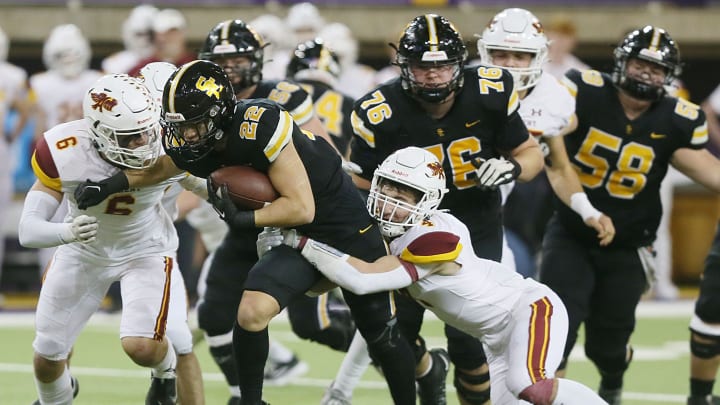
column 334, row 265
column 35, row 229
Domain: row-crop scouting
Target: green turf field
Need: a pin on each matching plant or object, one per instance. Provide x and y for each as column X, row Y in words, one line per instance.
column 659, row 374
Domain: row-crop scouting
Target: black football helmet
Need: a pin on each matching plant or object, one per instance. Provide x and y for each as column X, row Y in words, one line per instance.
column 651, row 44
column 198, row 102
column 233, row 38
column 431, row 40
column 313, row 60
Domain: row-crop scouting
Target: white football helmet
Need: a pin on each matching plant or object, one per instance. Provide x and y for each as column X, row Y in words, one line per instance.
column 118, row 108
column 417, row 169
column 66, row 51
column 137, row 30
column 276, row 34
column 516, row 30
column 340, row 39
column 305, row 20
column 155, row 75
column 4, row 46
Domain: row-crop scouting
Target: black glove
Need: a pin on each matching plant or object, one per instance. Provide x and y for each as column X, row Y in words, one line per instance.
column 91, row 193
column 226, row 208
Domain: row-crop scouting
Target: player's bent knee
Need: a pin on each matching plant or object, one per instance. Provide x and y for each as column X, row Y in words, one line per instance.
column 540, row 393
column 704, row 346
column 143, row 351
column 473, row 388
column 382, row 338
column 256, row 310
column 216, row 319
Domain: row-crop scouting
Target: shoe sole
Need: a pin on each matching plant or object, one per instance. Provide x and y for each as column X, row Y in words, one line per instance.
column 300, row 369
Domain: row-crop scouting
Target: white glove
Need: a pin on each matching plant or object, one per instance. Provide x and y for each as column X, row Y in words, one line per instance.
column 268, row 239
column 494, row 172
column 82, row 229
column 350, row 167
column 293, row 239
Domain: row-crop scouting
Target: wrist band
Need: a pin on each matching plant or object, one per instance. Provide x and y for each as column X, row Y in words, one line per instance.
column 579, row 203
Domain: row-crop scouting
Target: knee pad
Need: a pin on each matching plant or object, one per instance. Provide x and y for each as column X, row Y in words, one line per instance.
column 473, row 389
column 216, row 319
column 704, row 346
column 539, row 393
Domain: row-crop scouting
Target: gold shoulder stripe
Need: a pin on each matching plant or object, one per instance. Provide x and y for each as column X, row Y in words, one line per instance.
column 303, row 113
column 421, row 259
column 700, row 135
column 570, row 86
column 513, row 102
column 360, row 130
column 50, row 182
column 280, row 138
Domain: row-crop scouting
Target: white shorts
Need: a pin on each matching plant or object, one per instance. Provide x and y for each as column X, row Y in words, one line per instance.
column 534, row 349
column 73, row 289
column 178, row 330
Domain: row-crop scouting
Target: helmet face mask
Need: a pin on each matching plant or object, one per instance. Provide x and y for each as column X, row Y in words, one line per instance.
column 228, row 41
column 649, row 44
column 123, row 118
column 515, row 30
column 197, row 101
column 430, row 41
column 406, row 189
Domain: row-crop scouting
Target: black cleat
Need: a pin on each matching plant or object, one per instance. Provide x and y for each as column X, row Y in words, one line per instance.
column 234, row 401
column 706, row 400
column 162, row 392
column 611, row 396
column 75, row 386
column 431, row 387
column 279, row 374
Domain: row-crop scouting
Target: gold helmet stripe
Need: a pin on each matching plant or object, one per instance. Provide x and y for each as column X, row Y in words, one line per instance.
column 174, row 84
column 224, row 31
column 432, row 31
column 655, row 39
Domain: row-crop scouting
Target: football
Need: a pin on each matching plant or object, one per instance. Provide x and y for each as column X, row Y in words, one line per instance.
column 247, row 187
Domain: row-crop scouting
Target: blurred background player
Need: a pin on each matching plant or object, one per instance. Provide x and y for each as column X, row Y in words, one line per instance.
column 317, row 68
column 514, row 40
column 562, row 33
column 13, row 96
column 642, row 132
column 137, row 37
column 305, row 21
column 355, row 79
column 279, row 43
column 169, row 36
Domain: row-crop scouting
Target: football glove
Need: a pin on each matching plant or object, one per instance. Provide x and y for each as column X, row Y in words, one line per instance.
column 83, row 229
column 91, row 193
column 493, row 172
column 226, row 208
column 269, row 238
column 351, row 167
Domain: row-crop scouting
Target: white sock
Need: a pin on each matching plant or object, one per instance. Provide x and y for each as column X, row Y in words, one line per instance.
column 235, row 391
column 166, row 367
column 279, row 353
column 572, row 392
column 354, row 364
column 58, row 392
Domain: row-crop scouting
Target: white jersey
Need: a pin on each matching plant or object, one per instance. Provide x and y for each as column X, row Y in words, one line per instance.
column 132, row 224
column 356, row 80
column 12, row 88
column 548, row 108
column 120, row 62
column 205, row 220
column 480, row 298
column 59, row 98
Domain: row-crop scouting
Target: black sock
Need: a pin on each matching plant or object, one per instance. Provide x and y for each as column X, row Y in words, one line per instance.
column 701, row 388
column 398, row 366
column 223, row 356
column 611, row 381
column 250, row 350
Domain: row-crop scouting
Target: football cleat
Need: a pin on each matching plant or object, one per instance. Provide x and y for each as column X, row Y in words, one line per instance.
column 334, row 396
column 75, row 386
column 278, row 374
column 162, row 392
column 611, row 396
column 431, row 387
column 706, row 400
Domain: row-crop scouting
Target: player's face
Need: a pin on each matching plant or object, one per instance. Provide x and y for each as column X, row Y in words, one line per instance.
column 398, row 204
column 136, row 140
column 430, row 76
column 193, row 132
column 234, row 66
column 511, row 59
column 647, row 72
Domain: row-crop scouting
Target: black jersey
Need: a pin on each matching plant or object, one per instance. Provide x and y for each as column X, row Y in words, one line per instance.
column 289, row 95
column 621, row 162
column 333, row 109
column 482, row 121
column 340, row 213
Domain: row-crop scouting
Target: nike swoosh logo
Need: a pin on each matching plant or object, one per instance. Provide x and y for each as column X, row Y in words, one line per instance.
column 470, row 124
column 362, row 231
column 653, row 135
